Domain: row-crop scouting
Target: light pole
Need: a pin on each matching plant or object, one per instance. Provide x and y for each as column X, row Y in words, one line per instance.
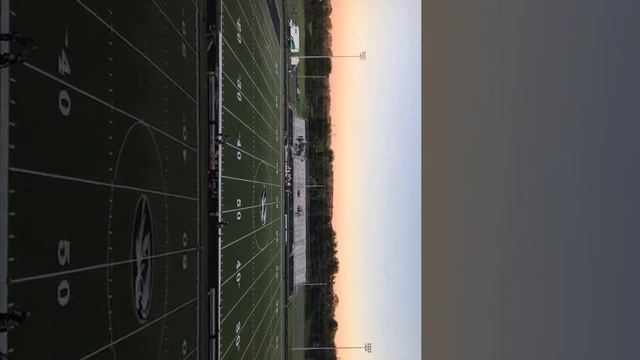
column 361, row 56
column 366, row 348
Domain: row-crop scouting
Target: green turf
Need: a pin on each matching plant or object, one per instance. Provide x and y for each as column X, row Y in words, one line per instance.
column 251, row 302
column 298, row 327
column 105, row 114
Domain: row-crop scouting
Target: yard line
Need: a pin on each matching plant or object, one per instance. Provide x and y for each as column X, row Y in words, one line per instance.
column 259, row 66
column 251, row 181
column 248, row 289
column 251, row 103
column 253, row 82
column 190, row 353
column 110, row 106
column 250, row 314
column 272, row 49
column 111, row 28
column 146, row 325
column 271, row 54
column 249, row 234
column 256, row 330
column 250, row 128
column 97, row 267
column 249, row 261
column 273, row 44
column 174, row 27
column 249, row 207
column 248, row 153
column 269, row 332
column 98, row 183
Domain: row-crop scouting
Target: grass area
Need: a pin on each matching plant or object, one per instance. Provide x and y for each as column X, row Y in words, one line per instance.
column 298, row 17
column 297, row 325
column 105, row 157
column 250, row 291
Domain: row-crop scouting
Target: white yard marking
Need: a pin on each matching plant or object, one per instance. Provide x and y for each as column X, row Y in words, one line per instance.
column 99, row 183
column 109, row 105
column 258, row 327
column 249, row 234
column 180, row 33
column 249, row 207
column 262, row 31
column 251, row 181
column 267, row 288
column 98, row 267
column 146, row 325
column 253, row 156
column 112, row 29
column 248, row 261
column 250, row 128
column 258, row 66
column 255, row 281
column 252, row 81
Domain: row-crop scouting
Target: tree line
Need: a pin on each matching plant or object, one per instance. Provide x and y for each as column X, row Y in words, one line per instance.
column 322, row 252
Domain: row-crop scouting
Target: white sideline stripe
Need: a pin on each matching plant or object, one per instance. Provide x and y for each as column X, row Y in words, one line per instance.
column 250, row 314
column 249, row 234
column 138, row 329
column 253, row 57
column 5, row 124
column 97, row 267
column 249, row 288
column 258, row 327
column 95, row 98
column 253, row 82
column 249, row 207
column 174, row 27
column 199, row 209
column 111, row 28
column 250, row 154
column 251, row 102
column 250, row 128
column 248, row 261
column 251, row 181
column 262, row 31
column 99, row 183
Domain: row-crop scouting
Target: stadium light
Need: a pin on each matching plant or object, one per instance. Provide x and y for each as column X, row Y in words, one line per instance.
column 366, row 348
column 362, row 56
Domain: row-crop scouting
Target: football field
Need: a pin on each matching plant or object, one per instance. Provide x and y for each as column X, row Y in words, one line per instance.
column 251, row 255
column 103, row 242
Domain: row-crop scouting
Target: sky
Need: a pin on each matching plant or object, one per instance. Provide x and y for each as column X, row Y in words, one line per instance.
column 531, row 180
column 375, row 114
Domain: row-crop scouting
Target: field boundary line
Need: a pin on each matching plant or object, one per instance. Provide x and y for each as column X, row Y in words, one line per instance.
column 100, row 266
column 251, row 181
column 98, row 183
